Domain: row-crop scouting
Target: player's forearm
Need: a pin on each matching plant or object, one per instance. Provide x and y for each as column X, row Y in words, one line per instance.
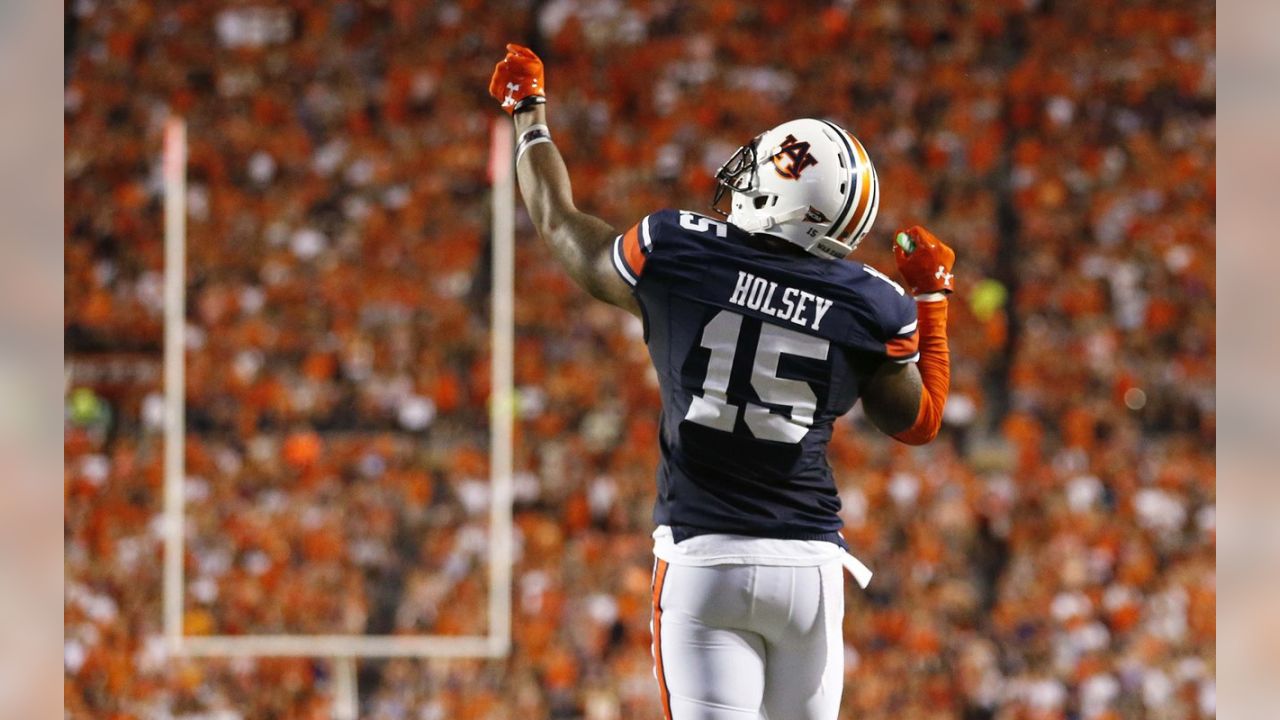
column 544, row 179
column 935, row 372
column 577, row 238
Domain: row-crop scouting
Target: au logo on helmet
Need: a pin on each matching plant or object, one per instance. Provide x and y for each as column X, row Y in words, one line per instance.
column 792, row 158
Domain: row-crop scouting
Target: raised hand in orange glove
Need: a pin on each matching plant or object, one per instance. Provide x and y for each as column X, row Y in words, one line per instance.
column 517, row 80
column 924, row 261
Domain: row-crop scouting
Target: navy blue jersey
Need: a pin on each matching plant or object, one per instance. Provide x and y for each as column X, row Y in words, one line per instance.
column 758, row 350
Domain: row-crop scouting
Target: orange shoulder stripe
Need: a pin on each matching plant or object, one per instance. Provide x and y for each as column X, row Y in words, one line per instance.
column 631, row 250
column 903, row 346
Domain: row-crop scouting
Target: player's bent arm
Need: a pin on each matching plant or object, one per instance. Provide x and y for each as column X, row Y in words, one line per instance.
column 582, row 243
column 906, row 400
column 891, row 399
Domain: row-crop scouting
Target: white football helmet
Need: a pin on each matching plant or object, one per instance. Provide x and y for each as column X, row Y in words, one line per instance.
column 809, row 182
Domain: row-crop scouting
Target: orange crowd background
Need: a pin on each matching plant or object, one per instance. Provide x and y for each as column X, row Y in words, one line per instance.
column 1051, row 556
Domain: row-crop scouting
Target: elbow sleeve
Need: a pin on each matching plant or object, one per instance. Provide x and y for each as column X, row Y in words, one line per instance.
column 935, row 373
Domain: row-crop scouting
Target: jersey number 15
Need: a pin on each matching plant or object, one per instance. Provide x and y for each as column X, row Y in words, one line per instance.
column 713, row 408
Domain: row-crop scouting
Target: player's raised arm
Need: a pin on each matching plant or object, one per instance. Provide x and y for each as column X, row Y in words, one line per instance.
column 906, row 400
column 581, row 242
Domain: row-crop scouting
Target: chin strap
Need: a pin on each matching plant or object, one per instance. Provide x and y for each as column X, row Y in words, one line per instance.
column 765, row 223
column 823, row 246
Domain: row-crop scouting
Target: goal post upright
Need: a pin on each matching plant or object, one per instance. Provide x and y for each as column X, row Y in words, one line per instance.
column 175, row 299
column 502, row 396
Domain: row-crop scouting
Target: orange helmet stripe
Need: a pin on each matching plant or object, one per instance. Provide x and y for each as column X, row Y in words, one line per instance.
column 866, row 188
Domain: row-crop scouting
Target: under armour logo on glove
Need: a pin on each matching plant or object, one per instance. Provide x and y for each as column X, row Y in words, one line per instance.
column 510, row 99
column 944, row 276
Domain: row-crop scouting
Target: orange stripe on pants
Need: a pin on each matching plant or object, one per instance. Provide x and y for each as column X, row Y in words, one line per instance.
column 660, row 577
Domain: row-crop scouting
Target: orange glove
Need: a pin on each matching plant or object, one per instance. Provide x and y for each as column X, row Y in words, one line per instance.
column 924, row 261
column 517, row 81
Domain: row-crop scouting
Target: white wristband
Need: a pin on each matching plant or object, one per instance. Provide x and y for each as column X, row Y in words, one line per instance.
column 532, row 136
column 931, row 297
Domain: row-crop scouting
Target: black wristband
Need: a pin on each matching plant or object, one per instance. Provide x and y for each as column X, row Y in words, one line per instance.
column 528, row 103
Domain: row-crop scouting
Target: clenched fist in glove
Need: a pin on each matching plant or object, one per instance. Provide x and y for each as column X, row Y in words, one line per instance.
column 924, row 261
column 517, row 81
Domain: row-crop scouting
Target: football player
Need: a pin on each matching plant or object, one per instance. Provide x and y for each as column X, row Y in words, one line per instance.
column 762, row 334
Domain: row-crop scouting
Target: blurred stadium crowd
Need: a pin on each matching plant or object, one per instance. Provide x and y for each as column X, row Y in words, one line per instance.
column 1051, row 556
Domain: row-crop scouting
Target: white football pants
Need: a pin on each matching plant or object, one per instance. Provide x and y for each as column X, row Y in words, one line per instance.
column 743, row 642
